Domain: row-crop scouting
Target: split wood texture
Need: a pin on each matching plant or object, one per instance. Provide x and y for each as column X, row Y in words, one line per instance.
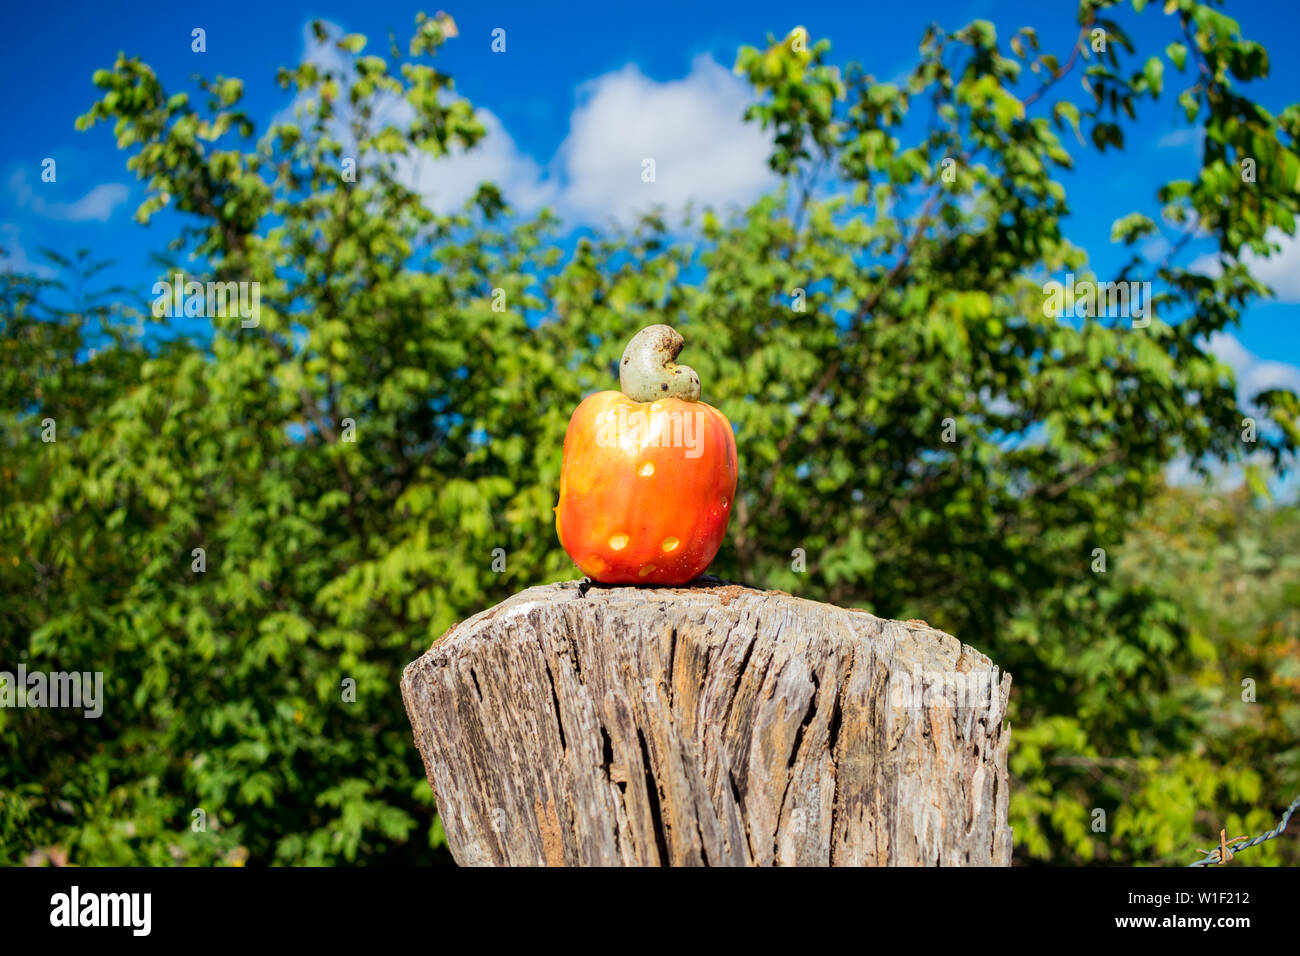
column 715, row 725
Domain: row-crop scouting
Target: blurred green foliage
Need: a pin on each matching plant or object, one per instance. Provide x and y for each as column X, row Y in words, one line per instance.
column 1166, row 736
column 330, row 560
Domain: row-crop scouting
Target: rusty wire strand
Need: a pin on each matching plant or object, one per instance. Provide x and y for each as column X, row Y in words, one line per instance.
column 1234, row 847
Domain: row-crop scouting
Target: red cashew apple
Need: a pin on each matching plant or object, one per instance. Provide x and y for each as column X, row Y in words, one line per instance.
column 649, row 474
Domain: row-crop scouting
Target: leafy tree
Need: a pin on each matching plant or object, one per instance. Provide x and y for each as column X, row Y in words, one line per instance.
column 1225, row 756
column 906, row 413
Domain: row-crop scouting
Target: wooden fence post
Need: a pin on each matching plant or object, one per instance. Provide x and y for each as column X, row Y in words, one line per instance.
column 712, row 725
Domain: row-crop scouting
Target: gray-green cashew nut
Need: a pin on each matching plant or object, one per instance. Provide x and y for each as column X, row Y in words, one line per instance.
column 647, row 372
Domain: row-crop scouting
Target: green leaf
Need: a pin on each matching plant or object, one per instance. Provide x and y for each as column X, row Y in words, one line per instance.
column 1154, row 73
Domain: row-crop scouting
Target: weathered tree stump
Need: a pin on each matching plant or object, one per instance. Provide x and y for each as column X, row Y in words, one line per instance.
column 709, row 725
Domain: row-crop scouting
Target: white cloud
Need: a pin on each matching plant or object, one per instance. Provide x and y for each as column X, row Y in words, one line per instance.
column 325, row 55
column 97, row 205
column 446, row 182
column 14, row 258
column 1181, row 137
column 327, row 58
column 1155, row 248
column 1280, row 271
column 1231, row 477
column 1254, row 374
column 692, row 128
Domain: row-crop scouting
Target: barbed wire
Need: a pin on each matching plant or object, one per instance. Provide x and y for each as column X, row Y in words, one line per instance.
column 1229, row 848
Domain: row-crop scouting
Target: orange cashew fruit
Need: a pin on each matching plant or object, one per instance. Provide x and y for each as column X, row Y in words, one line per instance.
column 649, row 474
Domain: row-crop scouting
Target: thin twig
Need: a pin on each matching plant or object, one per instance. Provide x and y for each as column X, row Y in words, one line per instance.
column 1069, row 65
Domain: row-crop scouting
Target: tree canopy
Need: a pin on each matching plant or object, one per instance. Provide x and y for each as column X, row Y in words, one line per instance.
column 250, row 531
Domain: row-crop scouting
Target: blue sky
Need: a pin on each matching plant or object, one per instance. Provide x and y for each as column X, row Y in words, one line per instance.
column 578, row 81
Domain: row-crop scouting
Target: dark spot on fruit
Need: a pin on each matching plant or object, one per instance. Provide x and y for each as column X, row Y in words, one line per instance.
column 664, row 386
